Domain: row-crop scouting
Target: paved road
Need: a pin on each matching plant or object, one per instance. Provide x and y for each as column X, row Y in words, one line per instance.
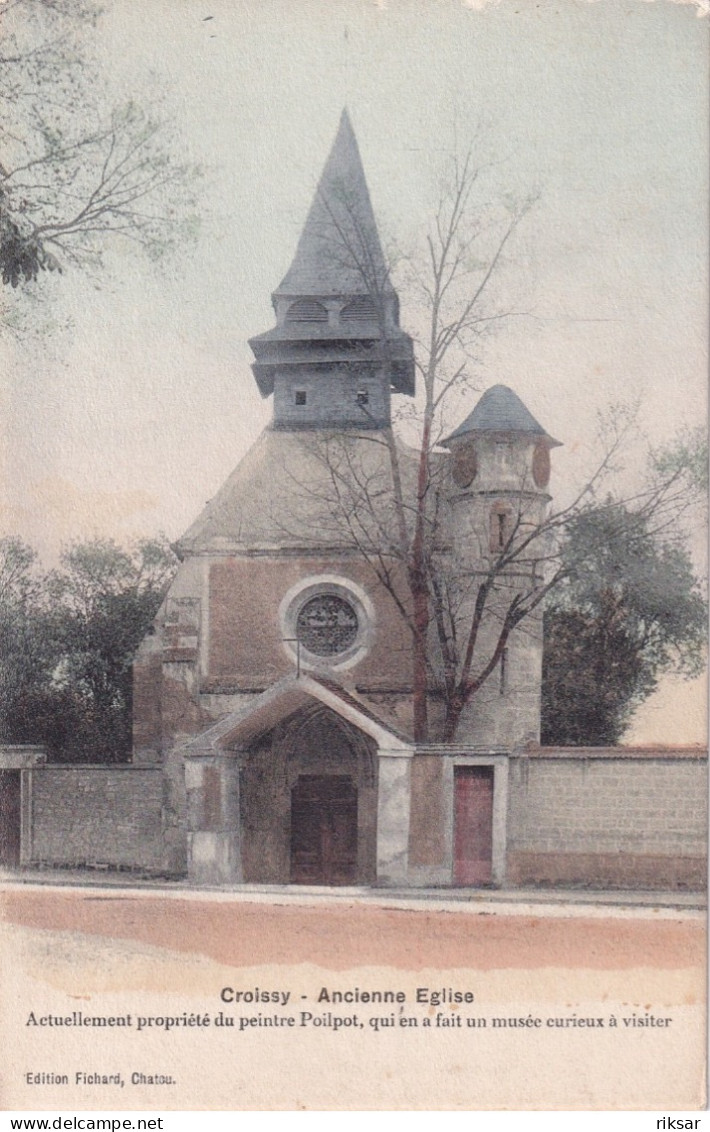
column 340, row 935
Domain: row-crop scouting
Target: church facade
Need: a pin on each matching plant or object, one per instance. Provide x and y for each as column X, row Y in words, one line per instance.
column 277, row 627
column 273, row 730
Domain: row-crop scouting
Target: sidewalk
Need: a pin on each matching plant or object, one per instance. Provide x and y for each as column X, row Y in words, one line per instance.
column 491, row 901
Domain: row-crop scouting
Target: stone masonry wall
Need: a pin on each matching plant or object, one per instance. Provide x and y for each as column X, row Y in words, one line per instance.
column 97, row 815
column 615, row 821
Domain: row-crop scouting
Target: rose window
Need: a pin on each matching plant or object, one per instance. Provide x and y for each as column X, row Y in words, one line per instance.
column 327, row 625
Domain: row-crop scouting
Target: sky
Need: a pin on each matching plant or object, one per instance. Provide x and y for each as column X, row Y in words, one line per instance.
column 134, row 403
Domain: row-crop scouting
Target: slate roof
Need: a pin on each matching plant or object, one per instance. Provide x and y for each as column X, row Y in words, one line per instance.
column 339, row 229
column 501, row 410
column 280, row 497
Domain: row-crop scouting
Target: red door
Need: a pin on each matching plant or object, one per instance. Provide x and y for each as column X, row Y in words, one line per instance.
column 324, row 830
column 10, row 817
column 473, row 824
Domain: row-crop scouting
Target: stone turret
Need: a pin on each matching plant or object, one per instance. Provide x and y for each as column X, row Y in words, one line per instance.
column 497, row 485
column 336, row 352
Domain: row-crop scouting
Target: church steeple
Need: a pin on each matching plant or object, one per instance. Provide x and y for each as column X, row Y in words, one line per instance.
column 337, row 351
column 339, row 251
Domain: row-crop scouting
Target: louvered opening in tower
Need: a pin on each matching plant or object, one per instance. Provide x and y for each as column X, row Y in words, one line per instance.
column 306, row 310
column 361, row 309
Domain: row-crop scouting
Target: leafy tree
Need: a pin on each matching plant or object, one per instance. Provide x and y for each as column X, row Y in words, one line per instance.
column 68, row 640
column 28, row 648
column 628, row 609
column 683, row 462
column 103, row 600
column 75, row 171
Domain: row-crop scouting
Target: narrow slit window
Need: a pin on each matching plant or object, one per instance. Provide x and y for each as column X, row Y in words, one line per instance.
column 500, row 527
column 363, row 397
column 300, row 396
column 503, row 687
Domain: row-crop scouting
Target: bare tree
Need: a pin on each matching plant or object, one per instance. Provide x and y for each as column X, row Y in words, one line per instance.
column 74, row 170
column 463, row 252
column 461, row 603
column 461, row 609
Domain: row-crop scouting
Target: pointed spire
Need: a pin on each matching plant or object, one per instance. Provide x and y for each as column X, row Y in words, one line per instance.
column 339, row 252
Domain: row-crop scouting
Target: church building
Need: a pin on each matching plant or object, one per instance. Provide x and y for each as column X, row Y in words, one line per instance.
column 273, row 730
column 277, row 687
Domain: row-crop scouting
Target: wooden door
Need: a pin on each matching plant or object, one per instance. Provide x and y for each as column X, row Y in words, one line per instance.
column 10, row 795
column 473, row 824
column 324, row 830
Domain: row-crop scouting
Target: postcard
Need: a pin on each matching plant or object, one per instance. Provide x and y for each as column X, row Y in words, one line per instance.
column 352, row 695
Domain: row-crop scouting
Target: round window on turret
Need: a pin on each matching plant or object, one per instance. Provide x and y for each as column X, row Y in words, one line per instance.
column 465, row 467
column 541, row 465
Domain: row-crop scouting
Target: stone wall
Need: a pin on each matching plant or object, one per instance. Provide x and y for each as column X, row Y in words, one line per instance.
column 96, row 816
column 608, row 817
column 590, row 817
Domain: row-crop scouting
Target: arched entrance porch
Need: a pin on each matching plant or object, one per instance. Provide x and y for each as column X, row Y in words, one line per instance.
column 308, row 794
column 306, row 787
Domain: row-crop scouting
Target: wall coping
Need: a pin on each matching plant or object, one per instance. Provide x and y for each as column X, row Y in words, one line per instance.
column 658, row 752
column 20, row 756
column 622, row 752
column 155, row 768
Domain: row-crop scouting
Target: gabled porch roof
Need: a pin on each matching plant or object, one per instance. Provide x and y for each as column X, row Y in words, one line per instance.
column 238, row 729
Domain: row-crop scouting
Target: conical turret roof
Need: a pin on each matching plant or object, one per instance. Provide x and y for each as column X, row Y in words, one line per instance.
column 501, row 410
column 339, row 252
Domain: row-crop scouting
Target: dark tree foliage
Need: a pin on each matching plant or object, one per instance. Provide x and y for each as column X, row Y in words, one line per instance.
column 629, row 610
column 21, row 256
column 68, row 641
column 27, row 647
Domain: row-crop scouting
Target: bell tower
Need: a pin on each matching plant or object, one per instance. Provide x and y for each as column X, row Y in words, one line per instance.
column 337, row 352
